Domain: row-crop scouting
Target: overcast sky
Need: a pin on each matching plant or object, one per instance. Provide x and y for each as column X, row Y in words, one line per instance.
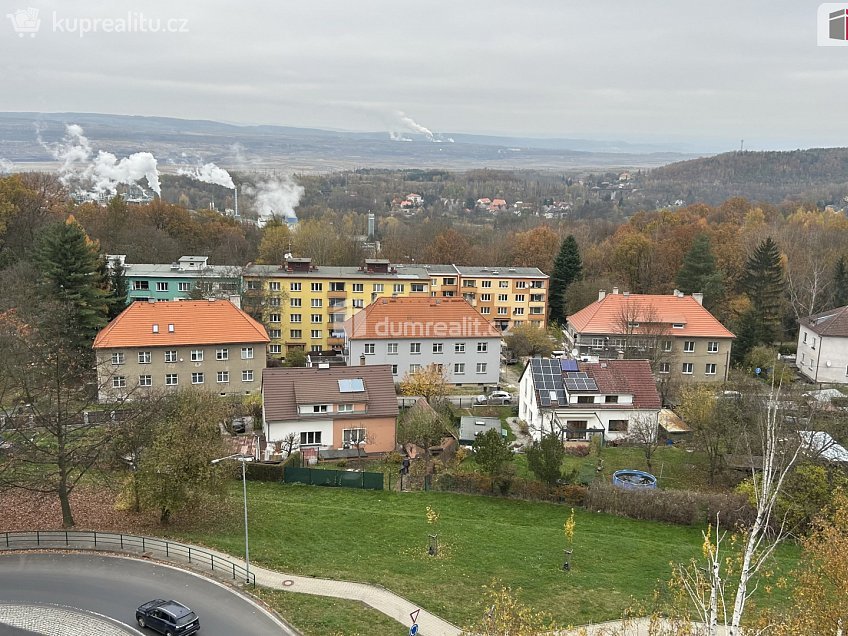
column 634, row 70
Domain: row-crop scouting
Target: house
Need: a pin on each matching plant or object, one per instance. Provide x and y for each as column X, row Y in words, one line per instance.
column 331, row 408
column 470, row 427
column 683, row 340
column 484, row 203
column 822, row 354
column 415, row 199
column 578, row 399
column 207, row 344
column 190, row 276
column 497, row 205
column 408, row 334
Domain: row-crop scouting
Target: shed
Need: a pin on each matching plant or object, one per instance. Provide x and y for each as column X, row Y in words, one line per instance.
column 470, row 427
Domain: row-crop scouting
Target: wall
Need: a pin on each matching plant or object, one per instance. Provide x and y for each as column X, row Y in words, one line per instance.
column 814, row 353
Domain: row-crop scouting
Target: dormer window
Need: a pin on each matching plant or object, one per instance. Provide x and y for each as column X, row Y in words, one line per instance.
column 155, row 328
column 677, row 325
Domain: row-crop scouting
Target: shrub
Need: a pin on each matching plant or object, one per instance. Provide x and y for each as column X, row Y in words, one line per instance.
column 342, row 463
column 264, row 472
column 524, row 427
column 294, row 459
column 393, row 457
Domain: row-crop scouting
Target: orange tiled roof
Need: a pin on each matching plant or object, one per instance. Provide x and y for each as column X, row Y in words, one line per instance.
column 607, row 316
column 196, row 322
column 390, row 318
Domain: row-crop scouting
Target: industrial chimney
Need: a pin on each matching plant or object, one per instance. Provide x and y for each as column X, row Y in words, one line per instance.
column 372, row 225
column 235, row 201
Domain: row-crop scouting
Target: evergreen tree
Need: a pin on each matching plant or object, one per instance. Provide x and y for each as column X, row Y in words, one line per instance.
column 764, row 284
column 568, row 268
column 544, row 458
column 700, row 274
column 840, row 283
column 69, row 273
column 119, row 289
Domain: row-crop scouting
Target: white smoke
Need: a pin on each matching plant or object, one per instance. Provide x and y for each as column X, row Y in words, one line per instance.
column 210, row 173
column 406, row 124
column 274, row 198
column 102, row 172
column 6, row 166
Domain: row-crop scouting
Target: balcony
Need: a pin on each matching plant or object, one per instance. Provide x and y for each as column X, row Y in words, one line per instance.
column 333, row 341
column 336, row 294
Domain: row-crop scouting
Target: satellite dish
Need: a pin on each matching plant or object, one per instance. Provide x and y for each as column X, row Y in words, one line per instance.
column 827, row 363
column 574, row 352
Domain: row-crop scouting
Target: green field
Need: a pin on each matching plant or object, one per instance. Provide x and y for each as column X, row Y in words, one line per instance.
column 381, row 537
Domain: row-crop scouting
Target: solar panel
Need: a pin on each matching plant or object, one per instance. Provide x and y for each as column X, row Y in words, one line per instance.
column 569, row 365
column 354, row 385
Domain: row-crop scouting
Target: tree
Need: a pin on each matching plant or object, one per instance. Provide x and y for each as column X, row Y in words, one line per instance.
column 529, row 340
column 450, row 247
column 176, row 470
column 764, row 284
column 711, row 420
column 535, row 248
column 840, row 283
column 295, row 358
column 423, row 426
column 491, row 452
column 276, row 243
column 431, row 383
column 643, row 433
column 545, row 456
column 699, row 272
column 119, row 289
column 505, row 615
column 567, row 268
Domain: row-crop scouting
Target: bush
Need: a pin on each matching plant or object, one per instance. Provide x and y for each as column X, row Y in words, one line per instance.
column 685, row 507
column 342, row 463
column 393, row 457
column 507, row 485
column 264, row 472
column 294, row 460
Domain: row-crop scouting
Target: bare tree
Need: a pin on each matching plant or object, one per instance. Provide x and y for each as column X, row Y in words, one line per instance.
column 643, row 433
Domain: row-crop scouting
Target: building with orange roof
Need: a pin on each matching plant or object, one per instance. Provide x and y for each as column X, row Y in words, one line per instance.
column 409, row 333
column 156, row 346
column 683, row 341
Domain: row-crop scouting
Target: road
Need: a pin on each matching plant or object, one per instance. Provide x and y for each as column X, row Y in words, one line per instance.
column 115, row 586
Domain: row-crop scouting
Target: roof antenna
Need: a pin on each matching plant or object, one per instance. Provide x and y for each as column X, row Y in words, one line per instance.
column 741, row 145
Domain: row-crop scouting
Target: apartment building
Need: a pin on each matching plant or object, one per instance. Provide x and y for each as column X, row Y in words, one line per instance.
column 188, row 277
column 156, row 346
column 304, row 305
column 684, row 342
column 408, row 334
column 822, row 354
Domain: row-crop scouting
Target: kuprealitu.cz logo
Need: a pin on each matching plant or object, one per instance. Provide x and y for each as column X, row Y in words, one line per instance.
column 28, row 23
column 832, row 24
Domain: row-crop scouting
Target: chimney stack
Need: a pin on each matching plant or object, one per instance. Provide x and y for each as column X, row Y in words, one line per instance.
column 602, row 294
column 615, row 290
column 699, row 297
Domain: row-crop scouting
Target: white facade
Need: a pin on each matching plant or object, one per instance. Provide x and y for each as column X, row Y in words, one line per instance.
column 822, row 359
column 278, row 431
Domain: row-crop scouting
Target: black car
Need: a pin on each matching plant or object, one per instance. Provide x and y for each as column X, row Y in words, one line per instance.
column 167, row 617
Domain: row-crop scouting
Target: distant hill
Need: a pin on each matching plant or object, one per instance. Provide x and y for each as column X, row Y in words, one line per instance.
column 312, row 150
column 817, row 174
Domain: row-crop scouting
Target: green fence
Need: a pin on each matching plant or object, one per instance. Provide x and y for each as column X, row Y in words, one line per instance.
column 343, row 478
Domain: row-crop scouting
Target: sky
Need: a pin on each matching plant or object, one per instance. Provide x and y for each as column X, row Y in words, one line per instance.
column 703, row 74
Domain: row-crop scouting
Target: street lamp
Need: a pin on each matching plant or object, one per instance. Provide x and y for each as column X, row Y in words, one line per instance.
column 242, row 459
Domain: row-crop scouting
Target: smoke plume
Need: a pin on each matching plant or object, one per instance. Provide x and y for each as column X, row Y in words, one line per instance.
column 6, row 166
column 275, row 198
column 405, row 123
column 210, row 173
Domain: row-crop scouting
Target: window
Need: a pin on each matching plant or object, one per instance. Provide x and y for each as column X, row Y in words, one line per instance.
column 222, row 354
column 197, row 355
column 618, row 426
column 414, row 347
column 294, row 287
column 295, row 317
column 677, row 325
column 295, row 302
column 485, row 310
column 317, row 302
column 316, row 287
column 597, row 343
column 345, row 408
column 537, row 298
column 310, row 437
column 502, row 298
column 437, row 347
column 247, row 353
column 485, row 298
column 184, row 287
column 223, row 377
column 536, row 311
column 275, row 334
column 688, row 346
column 369, row 348
column 503, row 284
column 254, row 285
column 521, row 284
column 394, row 369
column 398, row 288
column 712, row 346
column 139, row 285
column 118, row 358
column 503, row 311
column 610, row 399
column 197, row 378
column 813, row 344
column 391, row 348
column 170, row 356
column 145, row 380
column 481, row 367
column 320, row 408
column 414, row 368
column 161, row 286
column 273, row 317
column 518, row 311
column 710, row 369
column 247, row 375
column 416, row 287
column 144, row 357
column 448, row 281
column 459, row 347
column 482, row 347
column 274, row 286
column 688, row 368
column 519, row 298
column 665, row 367
column 275, row 348
column 618, row 343
column 337, row 286
column 171, row 379
column 585, row 399
column 317, row 319
column 119, row 382
column 575, row 430
column 468, row 282
column 459, row 368
column 353, row 436
column 378, row 288
column 486, row 283
column 273, row 302
column 296, row 334
column 315, row 334
column 667, row 345
column 358, row 303
column 358, row 288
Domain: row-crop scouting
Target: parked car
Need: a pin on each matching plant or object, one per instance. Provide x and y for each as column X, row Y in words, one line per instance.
column 495, row 397
column 167, row 617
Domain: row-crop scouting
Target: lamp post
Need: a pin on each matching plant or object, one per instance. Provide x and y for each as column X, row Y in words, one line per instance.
column 242, row 459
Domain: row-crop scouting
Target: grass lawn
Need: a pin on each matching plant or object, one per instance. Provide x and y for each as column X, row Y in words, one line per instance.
column 381, row 537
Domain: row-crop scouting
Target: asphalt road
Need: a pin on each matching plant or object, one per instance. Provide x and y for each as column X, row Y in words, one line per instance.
column 115, row 586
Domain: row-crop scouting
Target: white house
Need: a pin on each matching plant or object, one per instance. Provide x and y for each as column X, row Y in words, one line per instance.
column 822, row 354
column 609, row 397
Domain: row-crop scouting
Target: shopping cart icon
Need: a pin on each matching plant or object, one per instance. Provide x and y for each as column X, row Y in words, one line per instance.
column 25, row 21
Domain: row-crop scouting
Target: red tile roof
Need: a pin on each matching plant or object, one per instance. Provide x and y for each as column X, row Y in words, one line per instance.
column 390, row 318
column 195, row 322
column 607, row 316
column 625, row 376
